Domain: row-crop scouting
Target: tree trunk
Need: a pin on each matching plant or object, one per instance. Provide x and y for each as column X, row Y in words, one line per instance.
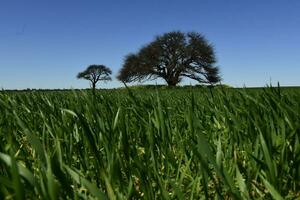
column 172, row 82
column 94, row 88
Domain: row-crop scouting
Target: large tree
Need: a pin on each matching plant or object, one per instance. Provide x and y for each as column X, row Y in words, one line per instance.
column 95, row 73
column 173, row 56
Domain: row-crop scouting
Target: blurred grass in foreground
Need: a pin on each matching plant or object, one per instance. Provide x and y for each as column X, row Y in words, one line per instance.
column 151, row 144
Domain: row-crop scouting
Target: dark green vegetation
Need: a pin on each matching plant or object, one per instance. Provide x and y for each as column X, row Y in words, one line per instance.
column 150, row 144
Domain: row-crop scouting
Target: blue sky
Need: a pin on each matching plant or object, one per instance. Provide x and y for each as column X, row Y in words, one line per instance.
column 44, row 44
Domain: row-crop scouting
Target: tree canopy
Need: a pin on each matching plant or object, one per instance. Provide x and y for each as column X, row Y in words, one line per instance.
column 172, row 56
column 95, row 73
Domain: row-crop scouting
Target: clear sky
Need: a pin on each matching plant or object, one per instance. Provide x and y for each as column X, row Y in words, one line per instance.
column 45, row 43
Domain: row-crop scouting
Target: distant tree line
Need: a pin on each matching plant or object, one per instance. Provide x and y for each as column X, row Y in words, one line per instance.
column 171, row 56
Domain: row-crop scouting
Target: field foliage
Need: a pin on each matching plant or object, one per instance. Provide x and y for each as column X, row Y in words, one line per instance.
column 201, row 143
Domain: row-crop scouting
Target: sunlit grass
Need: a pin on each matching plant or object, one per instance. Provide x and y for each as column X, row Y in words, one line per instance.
column 151, row 144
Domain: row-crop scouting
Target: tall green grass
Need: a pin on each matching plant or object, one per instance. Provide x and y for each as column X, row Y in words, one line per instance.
column 151, row 144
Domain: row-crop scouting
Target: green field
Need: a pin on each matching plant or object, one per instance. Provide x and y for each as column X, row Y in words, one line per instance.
column 188, row 143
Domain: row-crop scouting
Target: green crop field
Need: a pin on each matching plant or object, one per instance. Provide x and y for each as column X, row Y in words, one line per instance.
column 187, row 143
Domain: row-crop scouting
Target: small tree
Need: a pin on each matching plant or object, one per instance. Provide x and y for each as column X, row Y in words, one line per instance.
column 95, row 73
column 173, row 56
